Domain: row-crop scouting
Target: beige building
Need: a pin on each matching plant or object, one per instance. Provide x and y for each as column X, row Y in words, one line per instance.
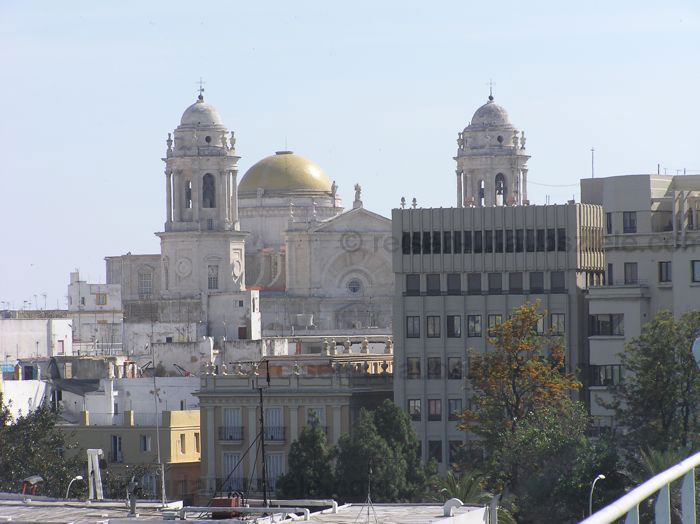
column 332, row 385
column 652, row 253
column 129, row 440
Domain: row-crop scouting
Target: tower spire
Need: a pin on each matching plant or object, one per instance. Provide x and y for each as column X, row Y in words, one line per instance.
column 490, row 84
column 201, row 89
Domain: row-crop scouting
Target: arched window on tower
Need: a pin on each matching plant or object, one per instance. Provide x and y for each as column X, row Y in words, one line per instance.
column 208, row 191
column 482, row 193
column 500, row 189
column 188, row 194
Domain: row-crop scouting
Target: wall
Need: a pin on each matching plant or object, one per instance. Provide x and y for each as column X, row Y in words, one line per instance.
column 22, row 396
column 20, row 338
column 188, row 355
column 138, row 335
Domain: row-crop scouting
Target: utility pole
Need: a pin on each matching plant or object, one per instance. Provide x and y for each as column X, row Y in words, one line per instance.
column 262, row 432
column 155, row 401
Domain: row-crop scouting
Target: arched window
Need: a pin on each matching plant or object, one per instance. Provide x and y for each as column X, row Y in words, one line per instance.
column 500, row 189
column 188, row 194
column 208, row 191
column 482, row 193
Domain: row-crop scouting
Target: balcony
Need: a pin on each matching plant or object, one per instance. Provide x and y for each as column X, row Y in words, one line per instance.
column 620, row 289
column 231, row 433
column 275, row 433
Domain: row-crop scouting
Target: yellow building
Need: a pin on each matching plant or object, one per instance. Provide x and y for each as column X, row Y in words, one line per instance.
column 330, row 387
column 128, row 440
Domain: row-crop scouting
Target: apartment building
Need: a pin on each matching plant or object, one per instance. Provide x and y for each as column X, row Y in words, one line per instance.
column 330, row 386
column 459, row 271
column 651, row 241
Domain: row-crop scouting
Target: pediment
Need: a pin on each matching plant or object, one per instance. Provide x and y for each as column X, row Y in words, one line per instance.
column 358, row 220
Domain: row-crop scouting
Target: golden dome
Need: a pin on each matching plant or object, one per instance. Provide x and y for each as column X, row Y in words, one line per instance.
column 285, row 172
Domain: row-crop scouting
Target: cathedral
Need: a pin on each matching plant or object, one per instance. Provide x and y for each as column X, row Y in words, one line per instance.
column 272, row 255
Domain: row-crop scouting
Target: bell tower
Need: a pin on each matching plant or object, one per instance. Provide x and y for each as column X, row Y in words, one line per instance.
column 491, row 160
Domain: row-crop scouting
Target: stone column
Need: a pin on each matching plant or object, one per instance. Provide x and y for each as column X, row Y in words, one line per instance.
column 168, row 196
column 177, row 196
column 523, row 186
column 234, row 198
column 460, row 196
column 467, row 189
column 196, row 195
column 293, row 423
column 252, row 431
column 210, row 445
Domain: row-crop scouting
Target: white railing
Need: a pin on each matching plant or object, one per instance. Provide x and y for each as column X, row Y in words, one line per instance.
column 628, row 506
column 98, row 348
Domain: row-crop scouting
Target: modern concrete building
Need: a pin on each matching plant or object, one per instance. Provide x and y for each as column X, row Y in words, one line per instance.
column 460, row 271
column 331, row 385
column 652, row 253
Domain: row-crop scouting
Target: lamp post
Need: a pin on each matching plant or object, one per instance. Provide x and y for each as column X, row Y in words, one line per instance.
column 590, row 496
column 79, row 477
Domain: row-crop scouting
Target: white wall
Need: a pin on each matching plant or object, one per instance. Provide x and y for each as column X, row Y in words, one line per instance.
column 22, row 396
column 23, row 338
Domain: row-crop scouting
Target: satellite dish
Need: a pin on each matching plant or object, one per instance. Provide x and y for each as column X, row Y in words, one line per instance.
column 696, row 351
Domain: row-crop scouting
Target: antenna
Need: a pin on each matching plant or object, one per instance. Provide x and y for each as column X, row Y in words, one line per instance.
column 368, row 502
column 490, row 84
column 592, row 162
column 201, row 88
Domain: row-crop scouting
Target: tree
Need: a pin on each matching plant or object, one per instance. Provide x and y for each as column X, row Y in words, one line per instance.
column 522, row 375
column 310, row 469
column 658, row 400
column 33, row 445
column 384, row 442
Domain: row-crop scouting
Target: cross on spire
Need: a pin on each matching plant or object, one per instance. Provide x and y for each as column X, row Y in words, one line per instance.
column 491, row 84
column 201, row 88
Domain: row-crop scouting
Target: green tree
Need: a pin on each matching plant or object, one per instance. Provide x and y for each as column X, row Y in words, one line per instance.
column 384, row 441
column 310, row 466
column 658, row 400
column 33, row 445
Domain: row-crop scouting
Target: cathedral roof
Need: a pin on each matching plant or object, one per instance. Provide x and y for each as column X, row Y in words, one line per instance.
column 201, row 113
column 285, row 172
column 491, row 114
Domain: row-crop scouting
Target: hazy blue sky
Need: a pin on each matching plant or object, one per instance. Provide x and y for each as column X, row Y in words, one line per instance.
column 374, row 92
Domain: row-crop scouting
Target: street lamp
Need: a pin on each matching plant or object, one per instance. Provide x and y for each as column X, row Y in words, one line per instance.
column 79, row 477
column 590, row 496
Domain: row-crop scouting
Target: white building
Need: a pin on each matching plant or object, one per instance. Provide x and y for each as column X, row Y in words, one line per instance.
column 652, row 254
column 96, row 314
column 35, row 337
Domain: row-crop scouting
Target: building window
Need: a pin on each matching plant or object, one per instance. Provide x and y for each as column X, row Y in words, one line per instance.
column 457, row 239
column 608, row 223
column 454, row 284
column 629, row 222
column 467, row 241
column 435, row 450
column 494, row 321
column 473, row 325
column 454, row 326
column 610, row 275
column 447, row 242
column 434, row 410
column 495, row 283
column 101, row 299
column 413, row 367
column 145, row 443
column 695, row 270
column 499, row 240
column 454, row 447
column 406, row 243
column 515, row 283
column 519, row 240
column 434, row 367
column 540, row 240
column 188, row 194
column 182, row 443
column 551, row 239
column 415, row 243
column 478, row 242
column 145, row 282
column 414, row 409
column 607, row 325
column 208, row 191
column 536, row 282
column 432, row 327
column 474, row 283
column 556, row 322
column 432, row 281
column 561, row 239
column 412, row 327
column 664, row 272
column 213, row 277
column 454, row 408
column 426, row 242
column 631, row 273
column 530, row 240
column 488, row 241
column 354, row 286
column 609, row 375
column 196, row 443
column 556, row 281
column 413, row 284
column 454, row 368
column 436, row 243
column 510, row 241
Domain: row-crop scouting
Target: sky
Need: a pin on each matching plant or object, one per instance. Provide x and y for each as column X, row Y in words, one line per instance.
column 374, row 92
